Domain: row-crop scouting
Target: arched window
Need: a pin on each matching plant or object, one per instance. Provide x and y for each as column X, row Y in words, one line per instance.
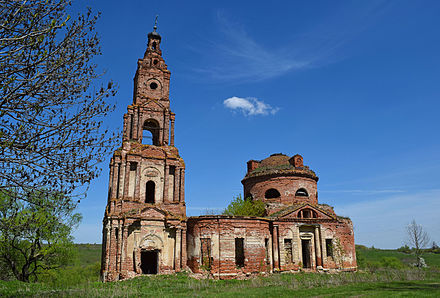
column 301, row 193
column 272, row 193
column 150, row 135
column 149, row 192
column 154, row 45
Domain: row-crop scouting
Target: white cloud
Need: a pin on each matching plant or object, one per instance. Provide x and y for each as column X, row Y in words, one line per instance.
column 249, row 106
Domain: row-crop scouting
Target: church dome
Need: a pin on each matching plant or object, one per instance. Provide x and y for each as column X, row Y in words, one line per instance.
column 279, row 164
column 274, row 160
column 154, row 35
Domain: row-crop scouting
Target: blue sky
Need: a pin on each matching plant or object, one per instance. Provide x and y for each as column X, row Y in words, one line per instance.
column 352, row 86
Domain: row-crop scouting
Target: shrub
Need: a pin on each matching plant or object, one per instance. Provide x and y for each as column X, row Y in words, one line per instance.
column 245, row 207
column 391, row 262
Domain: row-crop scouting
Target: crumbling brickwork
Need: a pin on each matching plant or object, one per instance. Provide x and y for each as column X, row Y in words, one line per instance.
column 145, row 228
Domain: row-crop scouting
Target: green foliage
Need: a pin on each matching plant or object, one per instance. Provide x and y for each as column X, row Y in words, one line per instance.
column 404, row 249
column 51, row 112
column 391, row 262
column 35, row 237
column 245, row 207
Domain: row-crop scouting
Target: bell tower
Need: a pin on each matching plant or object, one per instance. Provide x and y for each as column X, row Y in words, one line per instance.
column 145, row 219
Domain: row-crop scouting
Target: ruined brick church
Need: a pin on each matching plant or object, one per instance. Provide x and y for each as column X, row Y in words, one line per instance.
column 145, row 227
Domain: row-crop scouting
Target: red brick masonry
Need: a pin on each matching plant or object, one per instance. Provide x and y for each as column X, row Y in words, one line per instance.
column 145, row 228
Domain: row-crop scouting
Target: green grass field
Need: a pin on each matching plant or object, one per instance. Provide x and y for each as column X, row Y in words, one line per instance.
column 388, row 278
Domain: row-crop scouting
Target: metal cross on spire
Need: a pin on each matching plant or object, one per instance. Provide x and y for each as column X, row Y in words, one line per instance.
column 155, row 24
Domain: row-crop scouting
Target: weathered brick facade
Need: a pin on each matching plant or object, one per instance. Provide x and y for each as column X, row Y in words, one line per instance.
column 145, row 228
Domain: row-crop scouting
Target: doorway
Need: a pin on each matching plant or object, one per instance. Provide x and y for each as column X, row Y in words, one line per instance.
column 149, row 262
column 306, row 253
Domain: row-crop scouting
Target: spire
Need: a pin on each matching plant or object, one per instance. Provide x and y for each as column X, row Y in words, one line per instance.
column 155, row 24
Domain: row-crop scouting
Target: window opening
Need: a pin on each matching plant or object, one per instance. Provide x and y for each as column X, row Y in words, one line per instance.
column 288, row 250
column 155, row 61
column 172, row 170
column 272, row 193
column 329, row 247
column 266, row 245
column 301, row 193
column 149, row 262
column 149, row 192
column 153, row 85
column 132, row 179
column 154, row 45
column 117, row 243
column 239, row 252
column 205, row 244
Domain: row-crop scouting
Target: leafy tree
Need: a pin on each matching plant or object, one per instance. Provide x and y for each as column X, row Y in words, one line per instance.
column 35, row 237
column 51, row 139
column 245, row 207
column 418, row 239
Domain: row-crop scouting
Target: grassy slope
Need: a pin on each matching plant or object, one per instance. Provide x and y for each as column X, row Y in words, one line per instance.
column 89, row 253
column 280, row 285
column 80, row 281
column 375, row 255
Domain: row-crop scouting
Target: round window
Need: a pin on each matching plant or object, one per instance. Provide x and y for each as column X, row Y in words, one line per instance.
column 153, row 85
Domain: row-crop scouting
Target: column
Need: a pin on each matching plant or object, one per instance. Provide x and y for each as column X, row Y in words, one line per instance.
column 107, row 247
column 115, row 179
column 125, row 128
column 184, row 257
column 137, row 190
column 110, row 181
column 172, row 130
column 276, row 258
column 299, row 249
column 122, row 179
column 166, row 128
column 166, row 184
column 126, row 179
column 178, row 249
column 135, row 124
column 176, row 184
column 318, row 247
column 270, row 252
column 118, row 264
column 182, row 185
column 124, row 246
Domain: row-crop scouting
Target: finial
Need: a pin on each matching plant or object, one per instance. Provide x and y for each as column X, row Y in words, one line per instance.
column 155, row 24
